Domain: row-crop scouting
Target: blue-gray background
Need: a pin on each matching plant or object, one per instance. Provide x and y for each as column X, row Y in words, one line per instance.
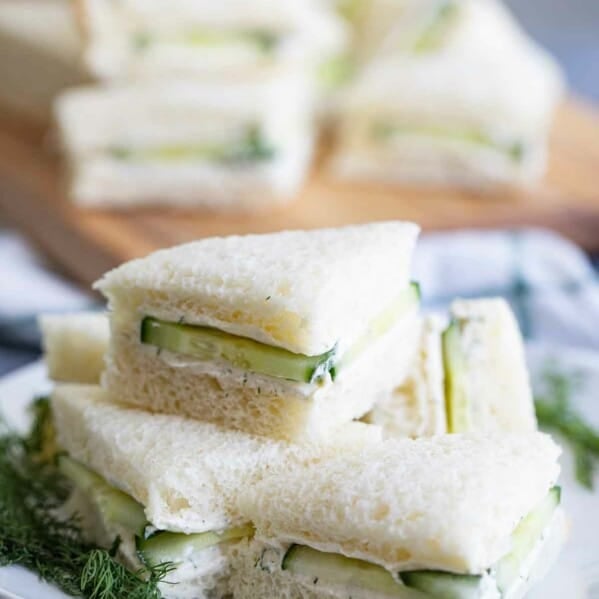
column 570, row 29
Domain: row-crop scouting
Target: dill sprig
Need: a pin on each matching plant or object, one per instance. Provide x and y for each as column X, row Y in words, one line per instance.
column 33, row 535
column 555, row 411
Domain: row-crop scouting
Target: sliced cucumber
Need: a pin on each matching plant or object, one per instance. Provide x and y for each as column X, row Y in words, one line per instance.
column 382, row 323
column 433, row 37
column 253, row 147
column 512, row 149
column 443, row 585
column 207, row 343
column 335, row 72
column 114, row 506
column 263, row 40
column 174, row 547
column 335, row 569
column 457, row 402
column 524, row 539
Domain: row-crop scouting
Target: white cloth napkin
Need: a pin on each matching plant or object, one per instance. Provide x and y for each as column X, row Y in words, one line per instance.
column 550, row 282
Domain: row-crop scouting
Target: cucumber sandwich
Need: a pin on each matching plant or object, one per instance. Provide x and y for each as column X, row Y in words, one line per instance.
column 223, row 145
column 447, row 517
column 74, row 345
column 450, row 108
column 204, row 39
column 469, row 374
column 167, row 487
column 304, row 334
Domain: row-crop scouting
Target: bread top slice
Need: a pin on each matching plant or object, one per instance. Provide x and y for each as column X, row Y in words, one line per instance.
column 187, row 474
column 305, row 291
column 449, row 502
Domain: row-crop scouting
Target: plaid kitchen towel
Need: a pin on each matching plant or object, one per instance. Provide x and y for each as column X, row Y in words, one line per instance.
column 550, row 282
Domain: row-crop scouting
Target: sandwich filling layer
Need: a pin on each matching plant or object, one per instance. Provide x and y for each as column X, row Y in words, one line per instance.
column 261, row 40
column 318, row 569
column 117, row 516
column 252, row 147
column 390, row 134
column 209, row 344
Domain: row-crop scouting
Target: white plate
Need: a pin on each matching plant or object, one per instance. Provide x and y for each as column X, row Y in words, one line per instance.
column 576, row 576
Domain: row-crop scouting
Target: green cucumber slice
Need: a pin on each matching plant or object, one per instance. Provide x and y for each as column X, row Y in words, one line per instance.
column 382, row 323
column 444, row 585
column 433, row 37
column 457, row 402
column 524, row 539
column 514, row 150
column 114, row 506
column 263, row 40
column 174, row 547
column 208, row 343
column 333, row 568
column 252, row 148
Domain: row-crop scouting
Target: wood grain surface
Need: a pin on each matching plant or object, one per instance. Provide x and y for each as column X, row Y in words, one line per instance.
column 85, row 243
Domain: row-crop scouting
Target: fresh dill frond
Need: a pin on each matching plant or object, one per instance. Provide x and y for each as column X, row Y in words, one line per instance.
column 41, row 442
column 33, row 535
column 555, row 411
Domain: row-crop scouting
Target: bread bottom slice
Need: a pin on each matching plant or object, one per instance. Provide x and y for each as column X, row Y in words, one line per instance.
column 164, row 382
column 102, row 180
column 424, row 162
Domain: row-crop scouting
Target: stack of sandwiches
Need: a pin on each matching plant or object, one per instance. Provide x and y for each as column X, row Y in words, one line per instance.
column 198, row 103
column 273, row 429
column 455, row 93
column 218, row 104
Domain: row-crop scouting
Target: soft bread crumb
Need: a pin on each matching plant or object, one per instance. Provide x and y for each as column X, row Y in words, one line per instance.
column 450, row 502
column 293, row 289
column 198, row 490
column 75, row 345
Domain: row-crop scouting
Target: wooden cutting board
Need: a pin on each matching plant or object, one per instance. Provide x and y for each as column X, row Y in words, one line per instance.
column 86, row 243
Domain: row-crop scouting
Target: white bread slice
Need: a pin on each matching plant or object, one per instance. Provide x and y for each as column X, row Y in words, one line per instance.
column 152, row 143
column 166, row 382
column 415, row 94
column 292, row 289
column 417, row 407
column 74, row 345
column 147, row 40
column 449, row 502
column 187, row 474
column 494, row 367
